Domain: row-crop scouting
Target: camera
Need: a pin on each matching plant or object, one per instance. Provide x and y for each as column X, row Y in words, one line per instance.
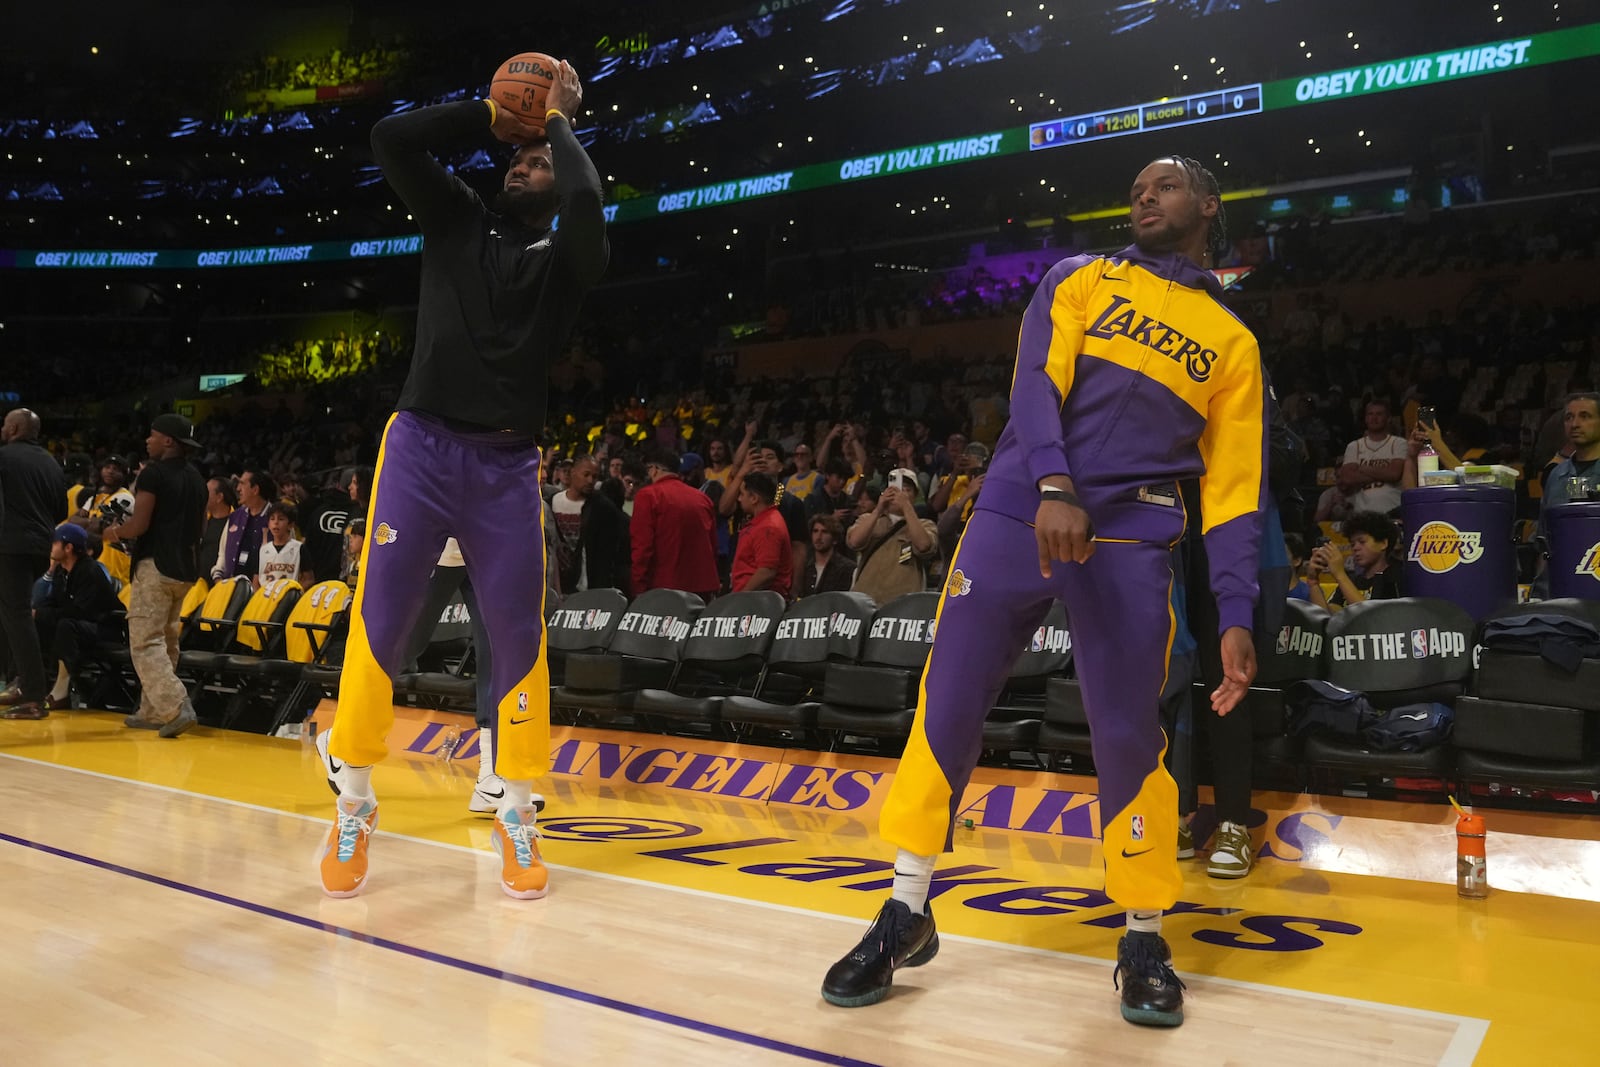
column 117, row 510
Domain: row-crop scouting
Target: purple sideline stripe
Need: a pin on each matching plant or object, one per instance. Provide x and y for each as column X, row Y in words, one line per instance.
column 579, row 995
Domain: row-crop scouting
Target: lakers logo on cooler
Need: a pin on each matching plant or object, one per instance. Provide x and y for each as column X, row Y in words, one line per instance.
column 1590, row 563
column 384, row 534
column 1440, row 547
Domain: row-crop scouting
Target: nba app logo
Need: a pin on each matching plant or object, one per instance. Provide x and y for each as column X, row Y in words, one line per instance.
column 1419, row 644
column 522, row 701
column 1038, row 640
column 1137, row 824
column 744, row 626
column 588, row 618
column 1283, row 641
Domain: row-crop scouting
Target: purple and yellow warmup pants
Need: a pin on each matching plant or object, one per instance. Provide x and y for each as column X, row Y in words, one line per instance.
column 433, row 483
column 1120, row 608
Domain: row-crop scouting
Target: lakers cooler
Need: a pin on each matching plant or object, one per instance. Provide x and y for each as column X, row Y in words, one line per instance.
column 1573, row 531
column 1458, row 546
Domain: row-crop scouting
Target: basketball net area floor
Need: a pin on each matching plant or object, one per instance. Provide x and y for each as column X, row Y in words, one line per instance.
column 162, row 906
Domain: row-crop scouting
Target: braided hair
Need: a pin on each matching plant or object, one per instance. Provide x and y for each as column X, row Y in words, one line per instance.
column 1202, row 181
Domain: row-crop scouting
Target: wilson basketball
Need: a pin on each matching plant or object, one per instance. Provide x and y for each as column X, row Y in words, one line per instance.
column 522, row 86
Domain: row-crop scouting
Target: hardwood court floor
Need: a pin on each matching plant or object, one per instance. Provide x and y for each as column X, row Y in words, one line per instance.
column 161, row 907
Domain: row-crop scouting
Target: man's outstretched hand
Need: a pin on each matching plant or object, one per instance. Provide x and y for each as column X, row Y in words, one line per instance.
column 1238, row 669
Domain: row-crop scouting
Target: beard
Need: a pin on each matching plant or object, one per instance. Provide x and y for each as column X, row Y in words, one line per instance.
column 527, row 204
column 1170, row 236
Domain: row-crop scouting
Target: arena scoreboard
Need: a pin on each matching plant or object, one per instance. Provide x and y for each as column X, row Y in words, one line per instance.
column 1143, row 118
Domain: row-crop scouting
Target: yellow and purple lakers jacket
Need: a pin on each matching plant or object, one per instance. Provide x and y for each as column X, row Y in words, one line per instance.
column 1131, row 376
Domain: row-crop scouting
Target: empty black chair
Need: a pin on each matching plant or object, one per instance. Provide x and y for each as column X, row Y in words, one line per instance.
column 1013, row 724
column 642, row 654
column 582, row 622
column 878, row 696
column 821, row 629
column 724, row 653
column 1531, row 721
column 443, row 678
column 1065, row 725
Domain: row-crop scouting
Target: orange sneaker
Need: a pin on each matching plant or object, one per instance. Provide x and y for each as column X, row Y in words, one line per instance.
column 522, row 873
column 344, row 857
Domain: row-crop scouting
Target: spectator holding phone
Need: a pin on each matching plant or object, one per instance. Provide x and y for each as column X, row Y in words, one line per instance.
column 1426, row 432
column 1366, row 572
column 895, row 546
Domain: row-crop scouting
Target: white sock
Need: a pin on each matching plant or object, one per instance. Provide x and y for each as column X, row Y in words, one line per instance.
column 1144, row 922
column 518, row 795
column 63, row 683
column 485, row 754
column 356, row 781
column 912, row 876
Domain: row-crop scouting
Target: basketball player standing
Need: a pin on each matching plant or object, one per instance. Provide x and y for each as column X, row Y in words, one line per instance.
column 500, row 292
column 1131, row 376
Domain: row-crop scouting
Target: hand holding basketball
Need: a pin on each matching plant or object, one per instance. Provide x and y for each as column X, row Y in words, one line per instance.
column 566, row 94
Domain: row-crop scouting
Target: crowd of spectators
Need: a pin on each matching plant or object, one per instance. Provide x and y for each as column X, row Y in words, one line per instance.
column 303, row 362
column 337, row 66
column 638, row 383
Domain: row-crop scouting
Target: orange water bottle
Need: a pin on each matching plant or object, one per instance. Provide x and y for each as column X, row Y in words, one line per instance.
column 1472, row 876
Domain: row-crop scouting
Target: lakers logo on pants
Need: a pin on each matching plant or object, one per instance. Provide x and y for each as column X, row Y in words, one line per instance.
column 1122, row 629
column 433, row 483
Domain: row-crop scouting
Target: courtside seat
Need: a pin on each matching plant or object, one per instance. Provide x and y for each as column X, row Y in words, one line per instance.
column 582, row 622
column 1331, row 754
column 821, row 629
column 1066, row 722
column 725, row 653
column 1011, row 735
column 1406, row 651
column 211, row 629
column 878, row 696
column 1474, row 766
column 642, row 654
column 443, row 676
column 238, row 675
column 1014, row 721
column 262, row 626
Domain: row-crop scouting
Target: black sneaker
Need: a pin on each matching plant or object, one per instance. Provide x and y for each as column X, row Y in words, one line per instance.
column 895, row 939
column 1152, row 995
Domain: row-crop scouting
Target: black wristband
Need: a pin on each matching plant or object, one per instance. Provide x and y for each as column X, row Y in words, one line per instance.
column 1050, row 492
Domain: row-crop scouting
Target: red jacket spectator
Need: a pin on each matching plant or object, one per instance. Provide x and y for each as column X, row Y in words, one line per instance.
column 674, row 536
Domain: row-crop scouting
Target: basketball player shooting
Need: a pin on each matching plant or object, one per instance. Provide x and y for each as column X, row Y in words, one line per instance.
column 1131, row 376
column 500, row 292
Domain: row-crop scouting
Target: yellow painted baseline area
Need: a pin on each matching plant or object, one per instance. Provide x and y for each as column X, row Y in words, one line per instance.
column 1353, row 899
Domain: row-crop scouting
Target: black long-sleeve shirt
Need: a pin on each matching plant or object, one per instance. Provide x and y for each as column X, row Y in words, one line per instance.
column 83, row 593
column 498, row 299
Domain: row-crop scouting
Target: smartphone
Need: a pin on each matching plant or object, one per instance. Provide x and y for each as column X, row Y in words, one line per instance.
column 1427, row 417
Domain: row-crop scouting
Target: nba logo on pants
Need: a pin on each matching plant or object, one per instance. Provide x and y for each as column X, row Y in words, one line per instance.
column 522, row 701
column 1138, row 827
